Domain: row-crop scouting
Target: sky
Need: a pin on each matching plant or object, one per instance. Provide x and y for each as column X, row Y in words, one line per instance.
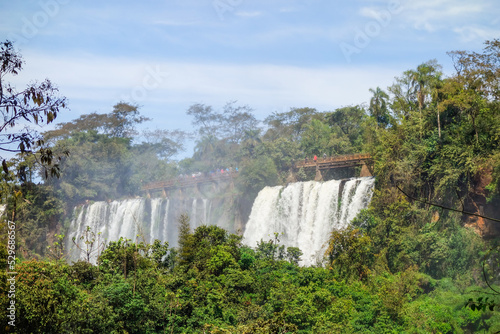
column 271, row 55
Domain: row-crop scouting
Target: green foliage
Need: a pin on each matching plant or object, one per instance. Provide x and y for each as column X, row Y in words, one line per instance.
column 378, row 107
column 36, row 211
column 247, row 258
column 228, row 288
column 402, row 266
column 348, row 126
column 123, row 257
column 256, row 174
column 209, row 249
column 316, row 138
column 229, row 124
column 120, row 123
column 289, row 125
column 96, row 168
column 349, row 253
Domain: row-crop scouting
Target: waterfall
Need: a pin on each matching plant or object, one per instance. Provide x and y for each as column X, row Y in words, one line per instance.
column 305, row 213
column 136, row 219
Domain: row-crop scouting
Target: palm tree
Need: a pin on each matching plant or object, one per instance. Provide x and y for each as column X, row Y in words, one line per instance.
column 421, row 83
column 378, row 106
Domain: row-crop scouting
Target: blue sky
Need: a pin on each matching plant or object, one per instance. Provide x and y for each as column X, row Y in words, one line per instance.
column 271, row 55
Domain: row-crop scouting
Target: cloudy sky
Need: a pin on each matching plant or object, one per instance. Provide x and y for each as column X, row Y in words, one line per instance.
column 270, row 55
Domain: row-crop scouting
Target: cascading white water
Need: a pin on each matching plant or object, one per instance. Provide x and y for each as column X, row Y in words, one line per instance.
column 135, row 219
column 154, row 231
column 305, row 213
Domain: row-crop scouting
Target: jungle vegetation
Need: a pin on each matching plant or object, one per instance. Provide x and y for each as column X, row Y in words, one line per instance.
column 402, row 267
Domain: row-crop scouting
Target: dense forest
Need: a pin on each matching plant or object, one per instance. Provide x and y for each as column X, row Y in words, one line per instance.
column 424, row 257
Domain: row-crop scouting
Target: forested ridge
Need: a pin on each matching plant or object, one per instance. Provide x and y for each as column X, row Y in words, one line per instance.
column 407, row 264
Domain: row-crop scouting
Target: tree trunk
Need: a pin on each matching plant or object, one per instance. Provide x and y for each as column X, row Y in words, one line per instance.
column 439, row 121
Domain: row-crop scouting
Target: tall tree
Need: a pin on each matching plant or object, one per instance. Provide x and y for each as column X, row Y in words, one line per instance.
column 229, row 124
column 205, row 119
column 237, row 120
column 422, row 80
column 378, row 106
column 480, row 71
column 478, row 76
column 436, row 94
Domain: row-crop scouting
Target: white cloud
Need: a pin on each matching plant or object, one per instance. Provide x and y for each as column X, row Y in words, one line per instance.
column 264, row 87
column 474, row 33
column 369, row 12
column 467, row 19
column 434, row 15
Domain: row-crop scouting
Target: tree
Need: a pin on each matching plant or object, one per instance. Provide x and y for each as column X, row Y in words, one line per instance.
column 289, row 124
column 315, row 138
column 230, row 124
column 378, row 106
column 121, row 123
column 347, row 125
column 422, row 81
column 403, row 101
column 477, row 77
column 37, row 104
column 436, row 94
column 480, row 70
column 238, row 120
column 165, row 143
column 349, row 253
column 105, row 163
column 99, row 168
column 205, row 119
column 251, row 140
column 256, row 174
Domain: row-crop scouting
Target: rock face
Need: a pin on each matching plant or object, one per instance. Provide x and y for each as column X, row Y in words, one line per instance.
column 477, row 203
